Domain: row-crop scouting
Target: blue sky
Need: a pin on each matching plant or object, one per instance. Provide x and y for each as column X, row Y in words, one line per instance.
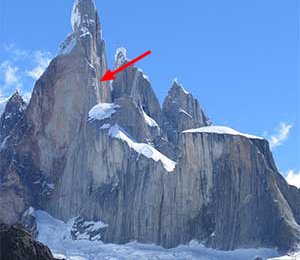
column 239, row 58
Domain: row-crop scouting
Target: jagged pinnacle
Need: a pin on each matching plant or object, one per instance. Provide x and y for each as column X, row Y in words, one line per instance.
column 178, row 86
column 83, row 13
column 120, row 57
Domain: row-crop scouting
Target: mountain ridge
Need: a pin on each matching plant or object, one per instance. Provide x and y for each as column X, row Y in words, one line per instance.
column 224, row 189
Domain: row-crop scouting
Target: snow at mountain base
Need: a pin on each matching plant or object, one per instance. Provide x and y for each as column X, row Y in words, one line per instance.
column 56, row 234
column 220, row 130
column 292, row 256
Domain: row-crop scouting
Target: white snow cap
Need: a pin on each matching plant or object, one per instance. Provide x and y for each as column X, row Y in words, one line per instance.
column 83, row 11
column 142, row 148
column 120, row 57
column 219, row 130
column 102, row 111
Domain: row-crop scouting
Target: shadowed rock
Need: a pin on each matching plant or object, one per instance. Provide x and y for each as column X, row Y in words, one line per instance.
column 13, row 112
column 16, row 243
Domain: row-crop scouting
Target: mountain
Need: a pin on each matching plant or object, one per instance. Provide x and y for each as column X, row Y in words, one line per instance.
column 108, row 153
column 13, row 112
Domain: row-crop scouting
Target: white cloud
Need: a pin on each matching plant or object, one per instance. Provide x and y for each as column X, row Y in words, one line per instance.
column 9, row 74
column 20, row 69
column 293, row 178
column 16, row 54
column 282, row 134
column 42, row 60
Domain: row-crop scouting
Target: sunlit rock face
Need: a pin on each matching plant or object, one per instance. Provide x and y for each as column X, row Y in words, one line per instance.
column 107, row 152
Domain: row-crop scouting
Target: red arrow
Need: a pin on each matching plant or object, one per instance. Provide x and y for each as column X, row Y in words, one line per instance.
column 110, row 75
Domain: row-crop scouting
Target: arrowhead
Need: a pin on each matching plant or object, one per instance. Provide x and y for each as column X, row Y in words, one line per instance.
column 108, row 76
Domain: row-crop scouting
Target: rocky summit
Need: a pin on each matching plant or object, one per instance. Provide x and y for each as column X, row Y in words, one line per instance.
column 108, row 152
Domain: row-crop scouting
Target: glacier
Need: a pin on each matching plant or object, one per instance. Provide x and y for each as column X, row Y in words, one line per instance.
column 57, row 235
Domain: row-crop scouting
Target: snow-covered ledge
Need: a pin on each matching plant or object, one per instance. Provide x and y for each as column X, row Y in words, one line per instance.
column 219, row 130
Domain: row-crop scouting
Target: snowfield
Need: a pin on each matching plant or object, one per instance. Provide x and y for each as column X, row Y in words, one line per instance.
column 219, row 130
column 56, row 235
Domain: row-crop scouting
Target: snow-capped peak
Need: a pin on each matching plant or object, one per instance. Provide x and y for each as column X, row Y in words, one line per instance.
column 83, row 12
column 120, row 57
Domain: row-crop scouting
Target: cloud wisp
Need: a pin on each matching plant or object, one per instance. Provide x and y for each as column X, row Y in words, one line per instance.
column 9, row 74
column 20, row 69
column 282, row 134
column 42, row 60
column 293, row 178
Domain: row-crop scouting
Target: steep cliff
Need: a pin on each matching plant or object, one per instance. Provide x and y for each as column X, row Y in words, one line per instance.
column 101, row 152
column 243, row 189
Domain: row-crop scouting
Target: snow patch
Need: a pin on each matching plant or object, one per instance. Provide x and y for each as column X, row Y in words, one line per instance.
column 290, row 256
column 84, row 32
column 102, row 111
column 87, row 230
column 120, row 57
column 149, row 120
column 50, row 186
column 219, row 130
column 3, row 144
column 146, row 77
column 105, row 126
column 95, row 225
column 75, row 16
column 142, row 148
column 176, row 81
column 184, row 112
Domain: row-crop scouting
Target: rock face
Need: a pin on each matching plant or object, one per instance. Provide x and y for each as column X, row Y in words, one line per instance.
column 17, row 243
column 109, row 153
column 13, row 112
column 181, row 111
column 12, row 190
